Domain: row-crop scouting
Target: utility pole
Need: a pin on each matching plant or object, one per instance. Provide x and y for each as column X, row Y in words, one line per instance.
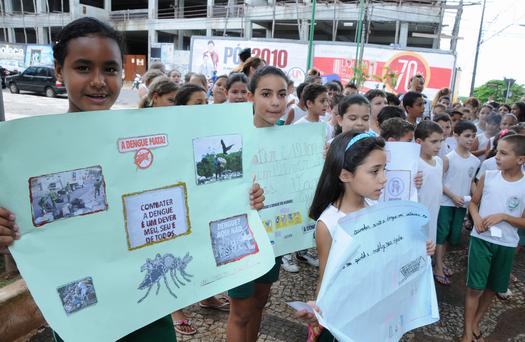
column 311, row 38
column 455, row 30
column 477, row 49
column 358, row 37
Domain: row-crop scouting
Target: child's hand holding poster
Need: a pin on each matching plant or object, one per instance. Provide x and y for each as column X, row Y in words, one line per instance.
column 129, row 215
column 287, row 165
column 401, row 170
column 378, row 280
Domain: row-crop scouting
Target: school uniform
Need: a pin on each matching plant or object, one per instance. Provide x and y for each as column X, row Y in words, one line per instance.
column 328, row 129
column 447, row 146
column 330, row 216
column 161, row 330
column 483, row 143
column 431, row 191
column 458, row 179
column 491, row 253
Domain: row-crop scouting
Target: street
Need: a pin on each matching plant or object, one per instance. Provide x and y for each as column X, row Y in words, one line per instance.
column 26, row 104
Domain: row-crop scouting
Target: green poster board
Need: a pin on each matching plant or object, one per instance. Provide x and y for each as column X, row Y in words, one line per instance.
column 129, row 215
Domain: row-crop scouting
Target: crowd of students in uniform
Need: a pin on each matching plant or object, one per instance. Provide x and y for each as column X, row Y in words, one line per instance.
column 471, row 166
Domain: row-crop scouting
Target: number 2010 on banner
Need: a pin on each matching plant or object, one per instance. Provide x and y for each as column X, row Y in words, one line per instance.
column 278, row 58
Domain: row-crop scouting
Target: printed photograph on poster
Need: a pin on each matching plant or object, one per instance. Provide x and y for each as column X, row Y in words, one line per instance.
column 67, row 194
column 232, row 239
column 398, row 185
column 77, row 295
column 157, row 215
column 217, row 158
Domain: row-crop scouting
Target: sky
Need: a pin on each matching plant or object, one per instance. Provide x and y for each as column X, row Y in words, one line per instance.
column 500, row 53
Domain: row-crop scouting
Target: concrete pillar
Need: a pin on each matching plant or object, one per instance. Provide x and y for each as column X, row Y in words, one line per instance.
column 269, row 33
column 74, row 9
column 209, row 14
column 248, row 29
column 8, row 8
column 40, row 35
column 180, row 7
column 41, row 6
column 403, row 35
column 11, row 38
column 304, row 30
column 152, row 39
column 107, row 5
column 153, row 5
column 180, row 40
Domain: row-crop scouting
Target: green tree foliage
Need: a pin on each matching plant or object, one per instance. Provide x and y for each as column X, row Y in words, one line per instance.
column 498, row 89
column 207, row 166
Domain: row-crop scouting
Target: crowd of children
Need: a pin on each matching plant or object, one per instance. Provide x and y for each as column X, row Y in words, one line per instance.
column 470, row 167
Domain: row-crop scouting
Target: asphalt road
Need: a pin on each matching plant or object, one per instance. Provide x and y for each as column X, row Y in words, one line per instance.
column 26, row 104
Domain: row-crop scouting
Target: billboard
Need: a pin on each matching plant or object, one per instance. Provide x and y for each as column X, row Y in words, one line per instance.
column 12, row 56
column 380, row 62
column 221, row 55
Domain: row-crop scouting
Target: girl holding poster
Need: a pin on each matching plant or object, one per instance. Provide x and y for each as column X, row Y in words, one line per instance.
column 268, row 92
column 353, row 172
column 88, row 60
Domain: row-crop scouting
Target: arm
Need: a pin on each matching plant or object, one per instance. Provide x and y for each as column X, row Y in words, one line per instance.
column 323, row 241
column 458, row 200
column 290, row 117
column 473, row 187
column 518, row 222
column 474, row 206
column 476, row 150
column 9, row 231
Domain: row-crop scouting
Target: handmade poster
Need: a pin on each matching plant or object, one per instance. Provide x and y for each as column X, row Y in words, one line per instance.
column 402, row 160
column 114, row 218
column 378, row 280
column 288, row 165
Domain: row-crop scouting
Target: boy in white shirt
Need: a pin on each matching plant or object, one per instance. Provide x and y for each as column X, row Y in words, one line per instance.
column 315, row 97
column 430, row 135
column 459, row 168
column 444, row 121
column 498, row 210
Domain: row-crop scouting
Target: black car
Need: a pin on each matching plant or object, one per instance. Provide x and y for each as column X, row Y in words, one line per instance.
column 38, row 79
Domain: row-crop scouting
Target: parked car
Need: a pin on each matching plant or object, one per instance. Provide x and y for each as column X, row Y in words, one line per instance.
column 5, row 73
column 38, row 79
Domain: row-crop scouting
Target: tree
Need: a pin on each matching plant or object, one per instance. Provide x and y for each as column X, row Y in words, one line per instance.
column 498, row 89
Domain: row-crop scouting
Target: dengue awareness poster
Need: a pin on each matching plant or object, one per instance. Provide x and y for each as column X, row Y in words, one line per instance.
column 135, row 212
column 402, row 160
column 378, row 280
column 288, row 169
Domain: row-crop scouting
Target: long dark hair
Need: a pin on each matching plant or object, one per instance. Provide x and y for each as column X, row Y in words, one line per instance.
column 330, row 188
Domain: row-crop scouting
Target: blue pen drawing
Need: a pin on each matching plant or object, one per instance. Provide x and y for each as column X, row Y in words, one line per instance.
column 159, row 267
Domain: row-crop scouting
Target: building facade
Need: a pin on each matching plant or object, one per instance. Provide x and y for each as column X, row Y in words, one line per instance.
column 401, row 23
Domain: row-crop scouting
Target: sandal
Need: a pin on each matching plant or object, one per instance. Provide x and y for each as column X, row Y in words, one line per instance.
column 443, row 280
column 184, row 327
column 223, row 306
column 477, row 338
column 447, row 271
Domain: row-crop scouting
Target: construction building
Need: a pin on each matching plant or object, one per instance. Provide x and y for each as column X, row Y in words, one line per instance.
column 401, row 23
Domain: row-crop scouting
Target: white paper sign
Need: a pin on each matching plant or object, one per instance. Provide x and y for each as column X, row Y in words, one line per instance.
column 378, row 280
column 401, row 169
column 155, row 216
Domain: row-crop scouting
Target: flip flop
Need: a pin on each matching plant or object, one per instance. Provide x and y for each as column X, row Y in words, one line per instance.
column 184, row 323
column 224, row 306
column 443, row 280
column 477, row 338
column 447, row 271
